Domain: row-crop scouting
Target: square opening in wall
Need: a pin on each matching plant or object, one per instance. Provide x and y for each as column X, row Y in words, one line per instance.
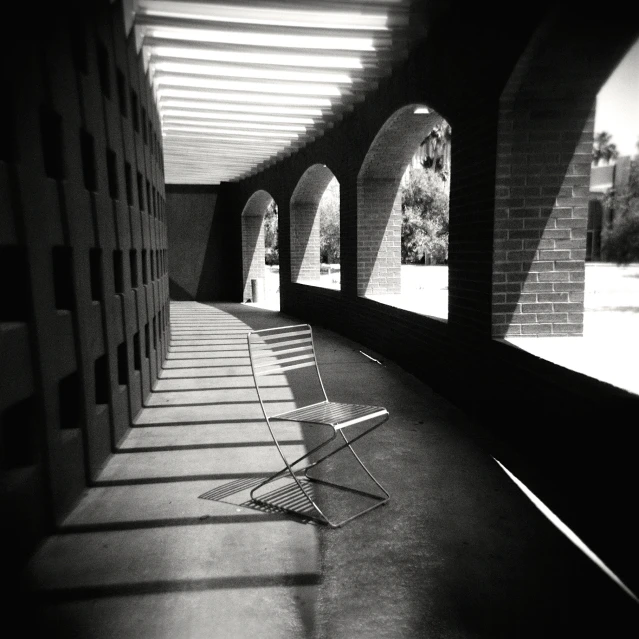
column 101, row 370
column 128, row 178
column 144, row 125
column 118, row 271
column 133, row 257
column 141, row 191
column 134, row 110
column 147, row 341
column 148, row 198
column 51, row 138
column 63, row 278
column 112, row 174
column 103, row 69
column 69, row 398
column 95, row 260
column 78, row 41
column 137, row 355
column 123, row 364
column 145, row 272
column 121, row 82
column 89, row 173
column 17, row 435
column 15, row 296
column 7, row 132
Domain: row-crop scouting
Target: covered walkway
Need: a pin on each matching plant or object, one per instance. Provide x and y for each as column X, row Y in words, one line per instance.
column 165, row 543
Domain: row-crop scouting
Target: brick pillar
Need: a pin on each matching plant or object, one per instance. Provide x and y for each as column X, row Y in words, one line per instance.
column 253, row 252
column 379, row 229
column 305, row 223
column 379, row 206
column 305, row 242
column 540, row 227
column 253, row 249
column 542, row 187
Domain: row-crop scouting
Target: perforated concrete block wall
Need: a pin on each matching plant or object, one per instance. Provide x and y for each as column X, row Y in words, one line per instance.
column 84, row 316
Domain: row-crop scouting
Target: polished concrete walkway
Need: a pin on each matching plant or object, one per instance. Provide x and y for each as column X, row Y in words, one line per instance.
column 167, row 545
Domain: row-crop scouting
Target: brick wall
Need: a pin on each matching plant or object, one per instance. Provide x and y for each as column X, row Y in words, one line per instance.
column 83, row 242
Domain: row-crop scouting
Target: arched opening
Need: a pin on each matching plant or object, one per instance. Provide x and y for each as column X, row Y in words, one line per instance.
column 260, row 253
column 403, row 192
column 567, row 205
column 315, row 227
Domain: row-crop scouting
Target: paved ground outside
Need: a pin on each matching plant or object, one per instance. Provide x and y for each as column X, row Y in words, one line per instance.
column 608, row 350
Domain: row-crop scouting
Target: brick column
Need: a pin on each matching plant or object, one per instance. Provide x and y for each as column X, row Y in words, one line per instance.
column 542, row 187
column 546, row 127
column 379, row 205
column 379, row 230
column 253, row 252
column 305, row 242
column 540, row 226
column 305, row 223
column 253, row 249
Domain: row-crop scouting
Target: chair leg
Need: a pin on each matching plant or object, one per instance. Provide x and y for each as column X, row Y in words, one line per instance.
column 289, row 468
column 348, row 443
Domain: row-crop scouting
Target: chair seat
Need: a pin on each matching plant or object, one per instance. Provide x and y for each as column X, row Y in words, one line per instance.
column 333, row 414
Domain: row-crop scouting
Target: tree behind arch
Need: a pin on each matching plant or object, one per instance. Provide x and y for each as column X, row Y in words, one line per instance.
column 271, row 234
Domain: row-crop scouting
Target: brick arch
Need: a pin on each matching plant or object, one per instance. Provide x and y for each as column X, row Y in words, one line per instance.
column 545, row 136
column 253, row 250
column 305, row 223
column 379, row 211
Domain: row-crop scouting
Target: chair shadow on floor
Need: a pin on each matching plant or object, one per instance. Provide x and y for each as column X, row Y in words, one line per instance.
column 286, row 498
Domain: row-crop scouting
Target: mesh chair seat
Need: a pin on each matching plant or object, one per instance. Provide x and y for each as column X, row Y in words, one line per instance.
column 333, row 414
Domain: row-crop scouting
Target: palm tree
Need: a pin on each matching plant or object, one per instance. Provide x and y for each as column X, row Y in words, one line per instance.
column 603, row 148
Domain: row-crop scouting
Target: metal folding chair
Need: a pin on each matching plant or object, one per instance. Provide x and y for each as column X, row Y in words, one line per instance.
column 277, row 351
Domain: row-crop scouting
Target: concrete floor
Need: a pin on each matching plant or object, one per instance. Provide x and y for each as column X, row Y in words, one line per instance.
column 167, row 544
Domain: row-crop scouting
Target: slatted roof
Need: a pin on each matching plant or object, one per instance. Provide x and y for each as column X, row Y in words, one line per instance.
column 242, row 83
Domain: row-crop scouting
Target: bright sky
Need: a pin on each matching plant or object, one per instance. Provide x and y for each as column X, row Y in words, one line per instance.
column 618, row 104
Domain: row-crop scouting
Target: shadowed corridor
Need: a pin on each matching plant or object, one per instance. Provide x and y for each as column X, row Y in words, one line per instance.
column 167, row 544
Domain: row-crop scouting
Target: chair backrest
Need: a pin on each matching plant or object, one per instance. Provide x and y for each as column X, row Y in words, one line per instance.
column 285, row 356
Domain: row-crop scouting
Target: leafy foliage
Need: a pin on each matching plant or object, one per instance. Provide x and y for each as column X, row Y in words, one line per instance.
column 621, row 241
column 425, row 191
column 436, row 147
column 271, row 234
column 603, row 148
column 424, row 216
column 329, row 224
